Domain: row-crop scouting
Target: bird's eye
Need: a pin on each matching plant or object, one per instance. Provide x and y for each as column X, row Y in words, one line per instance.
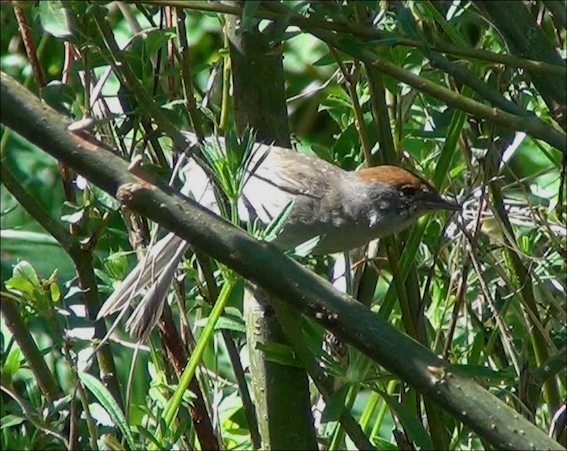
column 408, row 190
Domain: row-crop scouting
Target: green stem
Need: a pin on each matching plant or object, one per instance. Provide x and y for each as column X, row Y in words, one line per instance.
column 196, row 356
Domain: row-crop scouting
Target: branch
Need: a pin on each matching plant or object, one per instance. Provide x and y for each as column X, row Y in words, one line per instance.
column 308, row 24
column 531, row 124
column 263, row 264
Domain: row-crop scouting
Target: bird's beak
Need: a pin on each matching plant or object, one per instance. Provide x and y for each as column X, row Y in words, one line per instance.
column 441, row 203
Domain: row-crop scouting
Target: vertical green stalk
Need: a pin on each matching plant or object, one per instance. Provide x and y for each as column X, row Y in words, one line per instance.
column 196, row 356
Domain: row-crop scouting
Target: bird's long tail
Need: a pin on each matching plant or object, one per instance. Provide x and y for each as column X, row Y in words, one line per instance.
column 156, row 270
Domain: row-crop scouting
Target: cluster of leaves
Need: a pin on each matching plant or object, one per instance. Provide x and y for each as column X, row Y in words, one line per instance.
column 486, row 293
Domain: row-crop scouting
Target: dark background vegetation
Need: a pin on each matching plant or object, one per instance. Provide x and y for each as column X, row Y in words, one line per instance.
column 470, row 94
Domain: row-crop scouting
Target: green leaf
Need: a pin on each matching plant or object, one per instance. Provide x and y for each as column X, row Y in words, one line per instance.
column 71, row 213
column 27, row 272
column 306, row 248
column 20, row 284
column 250, row 8
column 105, row 199
column 335, row 405
column 10, row 420
column 104, row 397
column 54, row 291
column 11, row 366
column 26, row 282
column 325, row 60
column 155, row 39
column 275, row 226
column 54, row 19
column 224, row 322
column 407, row 22
column 117, row 265
column 384, row 444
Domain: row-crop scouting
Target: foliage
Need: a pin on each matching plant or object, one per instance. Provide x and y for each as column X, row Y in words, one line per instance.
column 484, row 289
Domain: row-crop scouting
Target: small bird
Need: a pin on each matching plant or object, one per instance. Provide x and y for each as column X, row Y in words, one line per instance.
column 344, row 209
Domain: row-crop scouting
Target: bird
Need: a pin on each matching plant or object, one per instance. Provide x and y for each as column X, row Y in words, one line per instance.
column 340, row 210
